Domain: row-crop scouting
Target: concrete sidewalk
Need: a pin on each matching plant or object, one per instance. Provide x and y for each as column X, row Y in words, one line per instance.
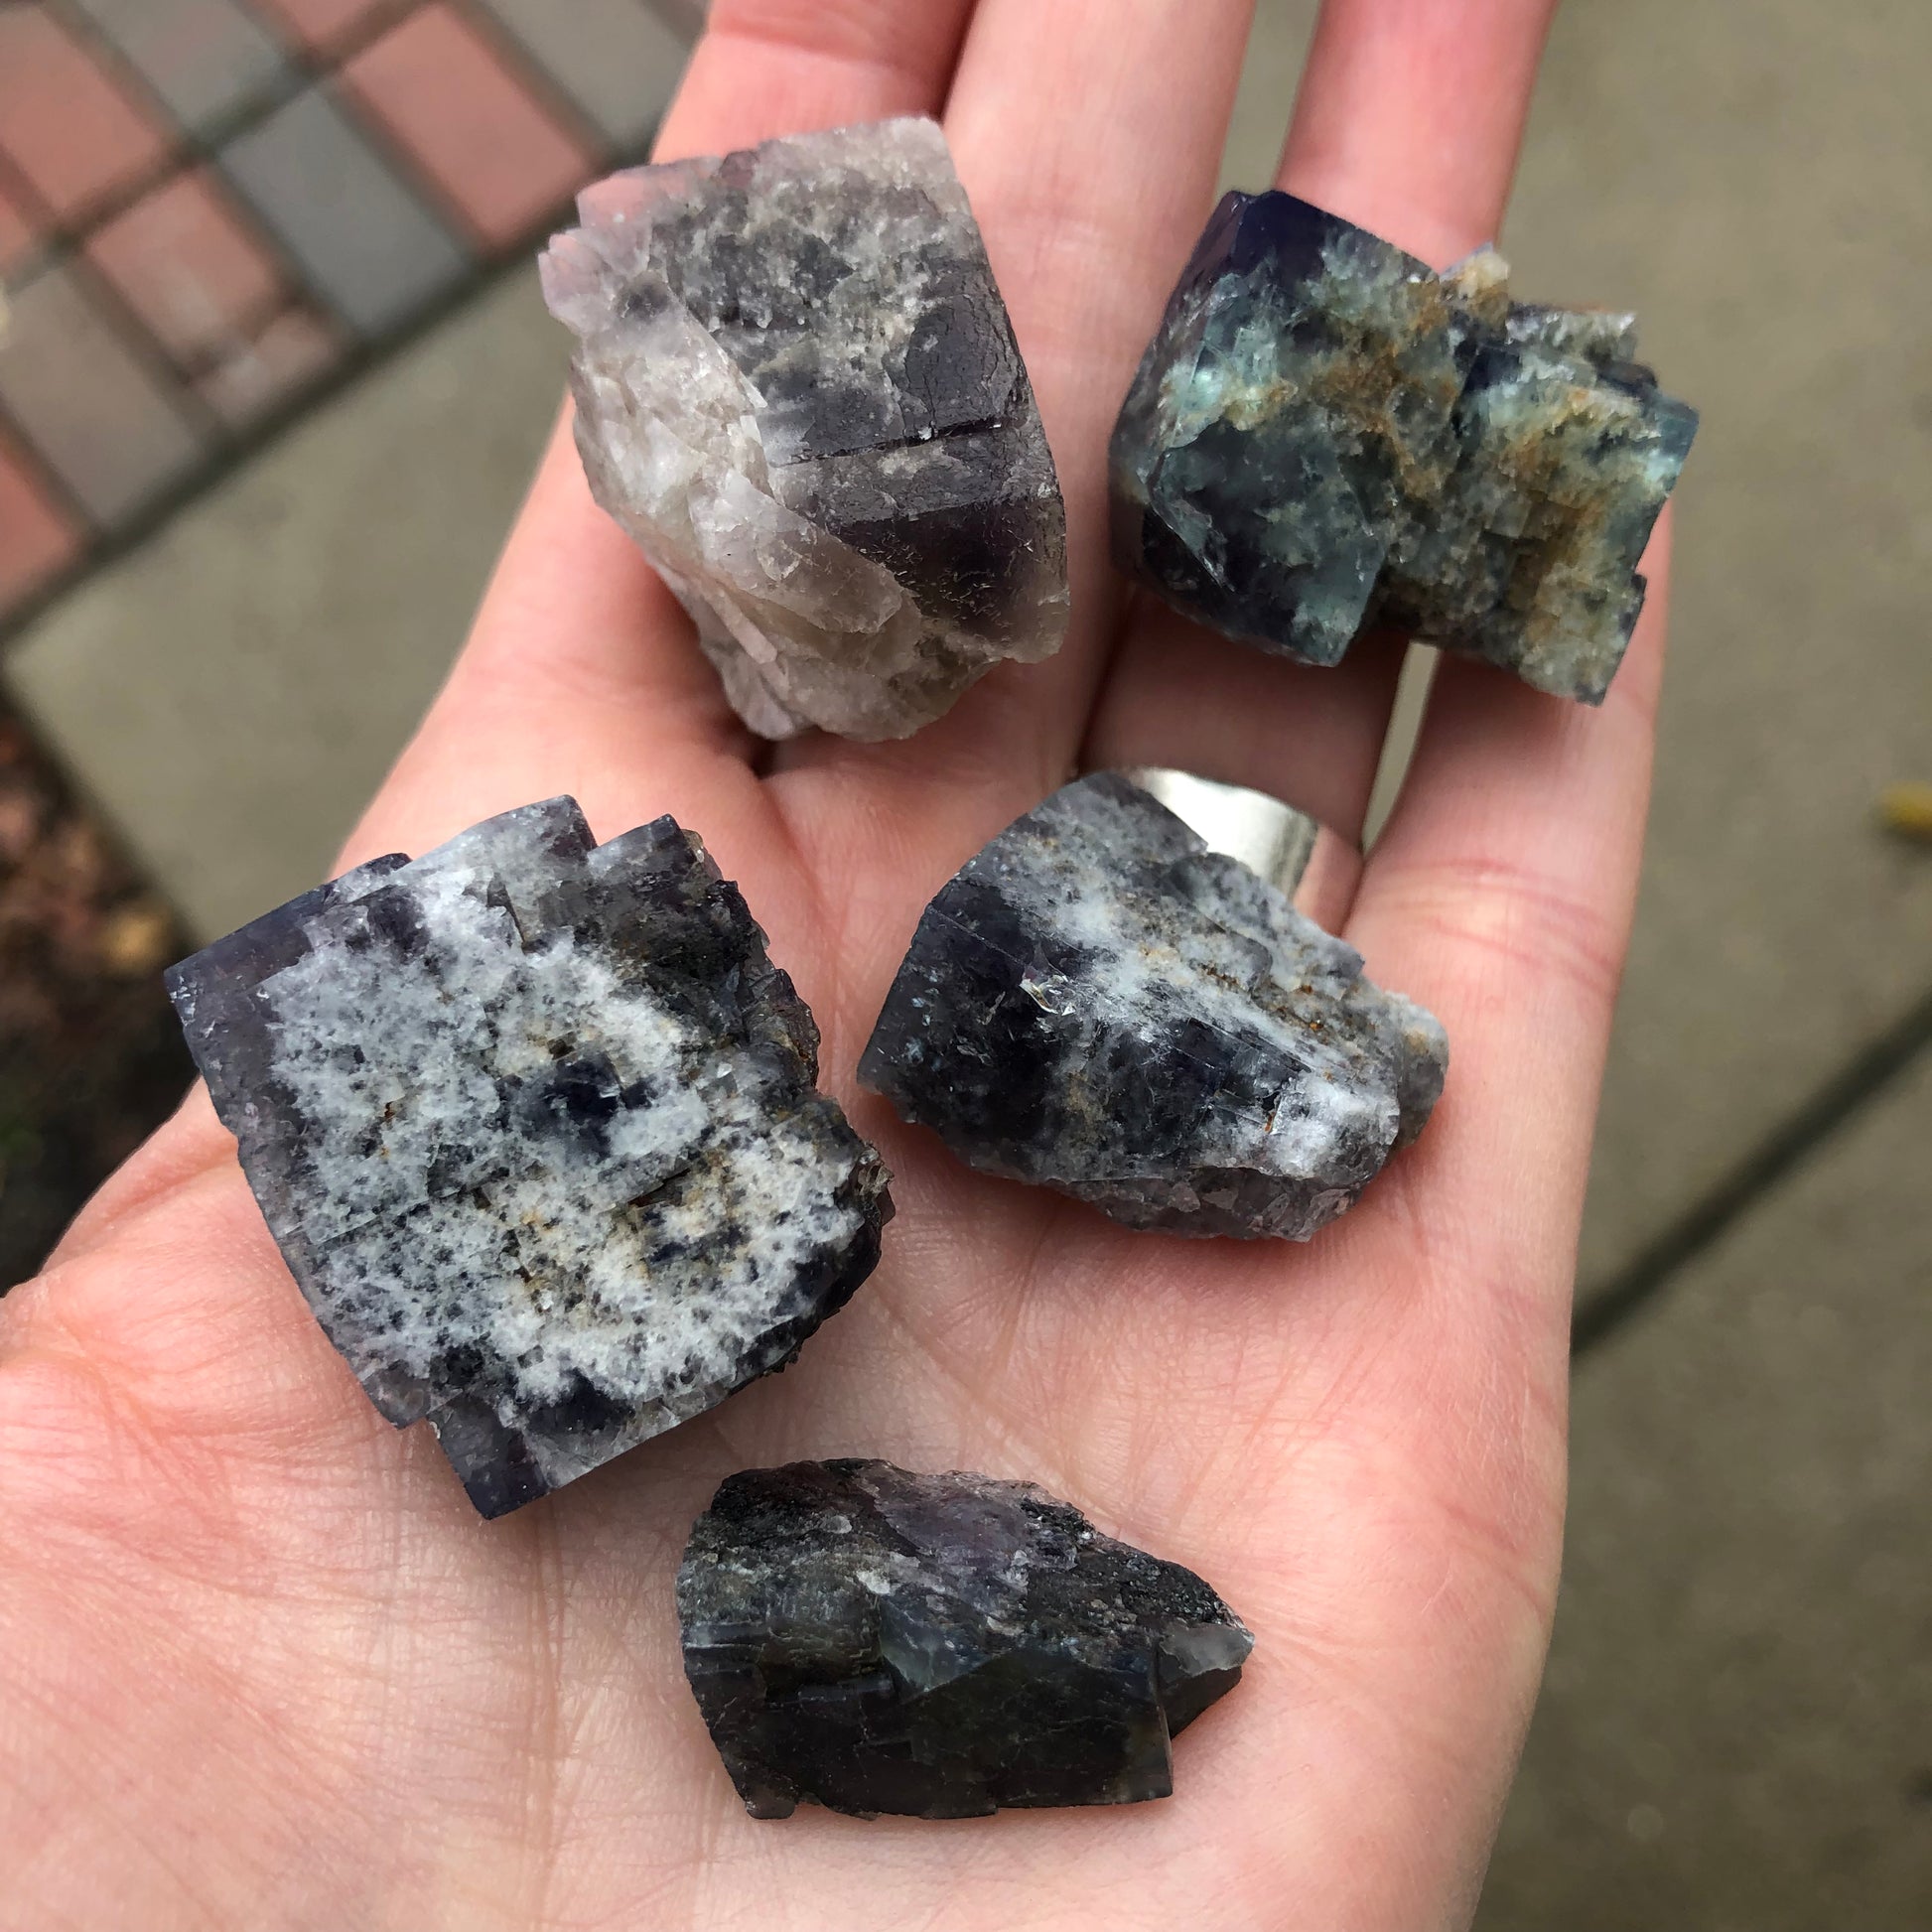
column 1734, row 1733
column 235, row 691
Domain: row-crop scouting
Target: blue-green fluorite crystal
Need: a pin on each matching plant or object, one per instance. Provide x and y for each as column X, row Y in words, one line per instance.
column 1326, row 437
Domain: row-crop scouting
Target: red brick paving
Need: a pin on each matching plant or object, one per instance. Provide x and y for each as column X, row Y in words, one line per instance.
column 462, row 151
column 203, row 59
column 16, row 236
column 104, row 420
column 64, row 123
column 36, row 537
column 441, row 92
column 319, row 24
column 286, row 355
column 616, row 60
column 190, row 267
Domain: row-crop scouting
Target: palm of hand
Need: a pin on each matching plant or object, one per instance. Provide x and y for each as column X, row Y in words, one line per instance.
column 265, row 1666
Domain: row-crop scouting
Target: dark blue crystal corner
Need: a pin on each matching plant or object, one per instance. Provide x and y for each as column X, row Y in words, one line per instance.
column 1326, row 437
column 1262, row 460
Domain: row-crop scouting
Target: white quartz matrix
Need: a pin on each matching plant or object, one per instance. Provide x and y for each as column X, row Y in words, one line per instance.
column 535, row 1126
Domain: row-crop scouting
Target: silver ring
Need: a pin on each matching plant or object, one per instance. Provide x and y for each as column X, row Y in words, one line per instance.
column 1313, row 867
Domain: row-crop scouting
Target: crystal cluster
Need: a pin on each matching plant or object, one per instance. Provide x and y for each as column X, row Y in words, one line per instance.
column 1100, row 1004
column 797, row 388
column 1326, row 437
column 939, row 1645
column 535, row 1125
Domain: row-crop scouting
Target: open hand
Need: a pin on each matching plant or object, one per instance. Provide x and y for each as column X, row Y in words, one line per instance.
column 261, row 1666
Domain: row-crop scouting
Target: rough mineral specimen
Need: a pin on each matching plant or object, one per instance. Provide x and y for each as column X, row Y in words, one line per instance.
column 535, row 1125
column 940, row 1645
column 797, row 388
column 1100, row 1004
column 1325, row 436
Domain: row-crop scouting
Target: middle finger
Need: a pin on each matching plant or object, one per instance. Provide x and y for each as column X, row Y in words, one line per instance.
column 1088, row 136
column 1408, row 122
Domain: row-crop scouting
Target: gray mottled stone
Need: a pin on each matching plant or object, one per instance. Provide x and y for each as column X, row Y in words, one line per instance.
column 533, row 1122
column 939, row 1645
column 798, row 390
column 1326, row 437
column 1567, row 453
column 1100, row 1004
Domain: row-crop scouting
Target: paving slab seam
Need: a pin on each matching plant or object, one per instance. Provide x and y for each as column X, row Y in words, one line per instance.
column 108, row 302
column 357, row 361
column 301, row 111
column 302, row 67
column 538, row 83
column 57, row 489
column 1838, row 1101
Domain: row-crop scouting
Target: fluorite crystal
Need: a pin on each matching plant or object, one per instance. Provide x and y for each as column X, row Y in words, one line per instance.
column 940, row 1645
column 1326, row 437
column 535, row 1125
column 1100, row 1004
column 799, row 389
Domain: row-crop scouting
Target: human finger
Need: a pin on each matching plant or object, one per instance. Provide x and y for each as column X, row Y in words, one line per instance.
column 1500, row 895
column 1408, row 122
column 1087, row 135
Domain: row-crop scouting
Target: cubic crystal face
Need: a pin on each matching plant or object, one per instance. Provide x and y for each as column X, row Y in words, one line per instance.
column 1098, row 1003
column 939, row 1645
column 533, row 1122
column 1326, row 437
column 797, row 388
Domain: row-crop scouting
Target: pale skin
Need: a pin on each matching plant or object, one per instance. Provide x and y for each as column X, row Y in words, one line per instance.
column 261, row 1665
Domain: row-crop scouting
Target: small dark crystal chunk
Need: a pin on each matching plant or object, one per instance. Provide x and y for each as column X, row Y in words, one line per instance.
column 1100, row 1004
column 939, row 1645
column 1325, row 436
column 533, row 1122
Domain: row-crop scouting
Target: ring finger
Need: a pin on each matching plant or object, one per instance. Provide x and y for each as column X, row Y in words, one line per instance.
column 1408, row 122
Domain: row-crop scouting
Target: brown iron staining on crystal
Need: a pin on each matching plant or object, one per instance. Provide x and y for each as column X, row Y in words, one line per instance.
column 1327, row 438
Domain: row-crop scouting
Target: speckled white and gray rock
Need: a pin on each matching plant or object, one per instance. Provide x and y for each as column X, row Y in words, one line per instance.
column 1567, row 451
column 534, row 1123
column 874, row 1640
column 1100, row 1004
column 797, row 388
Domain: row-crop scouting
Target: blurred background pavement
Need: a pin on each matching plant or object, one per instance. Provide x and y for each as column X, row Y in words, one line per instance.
column 239, row 564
